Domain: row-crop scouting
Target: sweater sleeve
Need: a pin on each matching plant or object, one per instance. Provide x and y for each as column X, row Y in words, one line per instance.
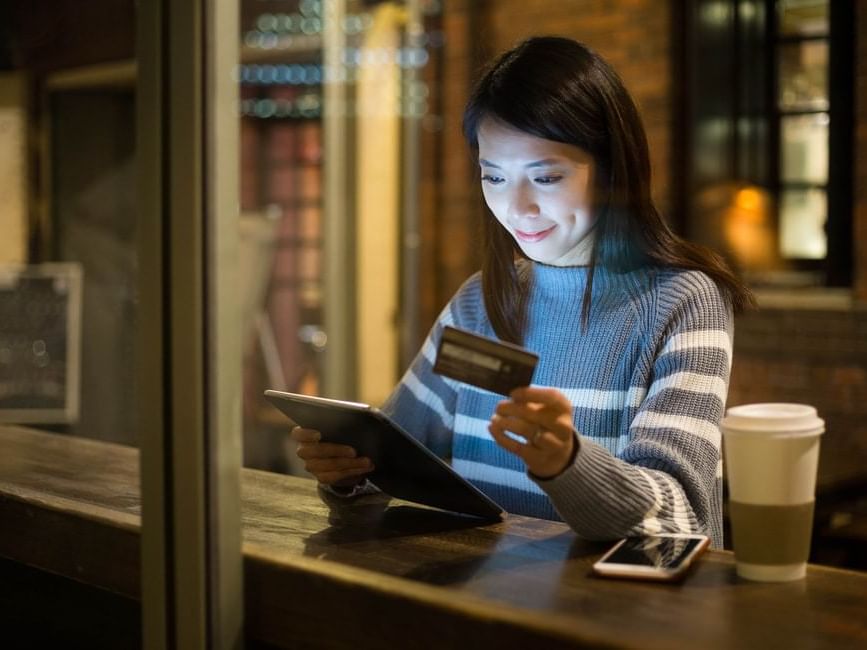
column 668, row 478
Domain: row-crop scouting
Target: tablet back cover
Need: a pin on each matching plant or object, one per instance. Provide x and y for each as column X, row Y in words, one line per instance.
column 404, row 467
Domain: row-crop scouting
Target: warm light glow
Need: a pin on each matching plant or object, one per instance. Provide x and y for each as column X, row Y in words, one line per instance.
column 748, row 229
column 750, row 199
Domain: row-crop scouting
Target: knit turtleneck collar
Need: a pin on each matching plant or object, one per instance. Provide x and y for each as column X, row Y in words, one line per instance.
column 563, row 281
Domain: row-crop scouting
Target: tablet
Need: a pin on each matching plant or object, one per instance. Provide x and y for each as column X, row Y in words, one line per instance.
column 404, row 468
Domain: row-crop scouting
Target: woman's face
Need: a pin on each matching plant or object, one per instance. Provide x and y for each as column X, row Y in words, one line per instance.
column 540, row 191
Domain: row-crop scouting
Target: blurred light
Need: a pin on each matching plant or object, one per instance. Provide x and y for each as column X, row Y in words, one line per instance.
column 419, row 57
column 253, row 39
column 748, row 199
column 351, row 56
column 296, row 74
column 715, row 13
column 311, row 25
column 265, row 108
column 314, row 74
column 319, row 339
column 352, row 24
column 310, row 7
column 748, row 229
column 267, row 23
column 273, row 211
column 287, row 23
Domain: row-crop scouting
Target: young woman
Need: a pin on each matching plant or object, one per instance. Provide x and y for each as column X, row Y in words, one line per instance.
column 619, row 435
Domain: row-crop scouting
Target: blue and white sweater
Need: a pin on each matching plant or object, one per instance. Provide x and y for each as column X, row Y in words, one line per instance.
column 647, row 381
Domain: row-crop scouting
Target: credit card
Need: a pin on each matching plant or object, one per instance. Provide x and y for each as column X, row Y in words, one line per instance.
column 487, row 363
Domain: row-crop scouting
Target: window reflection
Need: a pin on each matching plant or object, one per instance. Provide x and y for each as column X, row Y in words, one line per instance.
column 804, row 148
column 803, row 76
column 802, row 223
column 285, row 83
column 803, row 17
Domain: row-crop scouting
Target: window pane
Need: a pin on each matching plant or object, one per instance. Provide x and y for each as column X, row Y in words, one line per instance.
column 281, row 83
column 803, row 69
column 803, row 17
column 804, row 148
column 802, row 224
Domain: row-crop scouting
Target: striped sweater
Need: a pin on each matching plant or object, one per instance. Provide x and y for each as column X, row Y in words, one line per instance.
column 647, row 381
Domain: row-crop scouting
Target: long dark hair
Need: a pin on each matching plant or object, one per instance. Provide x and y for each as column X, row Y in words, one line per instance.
column 558, row 89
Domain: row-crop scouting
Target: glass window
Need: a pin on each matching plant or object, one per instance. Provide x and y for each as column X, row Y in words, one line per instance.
column 804, row 148
column 802, row 223
column 803, row 76
column 803, row 17
column 803, row 100
column 325, row 157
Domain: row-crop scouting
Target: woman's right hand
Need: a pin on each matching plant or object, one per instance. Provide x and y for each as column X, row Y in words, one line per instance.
column 337, row 465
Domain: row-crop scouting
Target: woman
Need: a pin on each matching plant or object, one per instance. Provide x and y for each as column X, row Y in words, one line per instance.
column 619, row 434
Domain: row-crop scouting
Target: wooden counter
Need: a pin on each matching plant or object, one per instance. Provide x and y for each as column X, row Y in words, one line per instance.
column 374, row 574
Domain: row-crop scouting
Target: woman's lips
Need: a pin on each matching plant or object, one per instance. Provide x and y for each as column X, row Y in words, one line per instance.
column 539, row 235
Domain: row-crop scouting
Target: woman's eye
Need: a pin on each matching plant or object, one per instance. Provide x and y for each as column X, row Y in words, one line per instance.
column 493, row 180
column 548, row 180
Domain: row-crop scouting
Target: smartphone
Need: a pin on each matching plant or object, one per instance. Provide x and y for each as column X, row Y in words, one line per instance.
column 656, row 557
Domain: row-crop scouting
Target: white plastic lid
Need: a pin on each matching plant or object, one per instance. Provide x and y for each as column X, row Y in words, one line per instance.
column 773, row 418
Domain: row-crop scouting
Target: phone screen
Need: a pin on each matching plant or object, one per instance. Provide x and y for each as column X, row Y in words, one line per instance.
column 659, row 552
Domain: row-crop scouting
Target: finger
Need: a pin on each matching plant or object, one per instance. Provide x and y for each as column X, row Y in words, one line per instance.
column 498, row 433
column 550, row 419
column 300, row 434
column 320, row 465
column 526, row 412
column 519, row 426
column 549, row 442
column 324, row 450
column 546, row 396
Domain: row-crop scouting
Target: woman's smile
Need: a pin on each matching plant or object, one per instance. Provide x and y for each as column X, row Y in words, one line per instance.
column 534, row 236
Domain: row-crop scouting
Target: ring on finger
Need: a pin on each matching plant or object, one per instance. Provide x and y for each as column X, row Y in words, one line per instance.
column 536, row 436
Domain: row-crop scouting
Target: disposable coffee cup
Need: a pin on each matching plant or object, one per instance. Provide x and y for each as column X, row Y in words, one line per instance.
column 771, row 458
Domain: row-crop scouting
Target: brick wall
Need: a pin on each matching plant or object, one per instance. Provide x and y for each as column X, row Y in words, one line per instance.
column 816, row 357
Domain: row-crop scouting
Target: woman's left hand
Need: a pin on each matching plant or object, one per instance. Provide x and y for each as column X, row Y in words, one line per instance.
column 543, row 418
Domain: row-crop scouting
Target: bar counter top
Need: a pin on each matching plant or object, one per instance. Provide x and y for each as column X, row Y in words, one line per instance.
column 378, row 573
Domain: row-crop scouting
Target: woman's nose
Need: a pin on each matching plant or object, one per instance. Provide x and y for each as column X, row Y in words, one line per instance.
column 523, row 204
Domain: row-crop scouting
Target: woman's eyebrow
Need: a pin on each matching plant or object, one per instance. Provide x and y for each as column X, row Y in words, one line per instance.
column 546, row 162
